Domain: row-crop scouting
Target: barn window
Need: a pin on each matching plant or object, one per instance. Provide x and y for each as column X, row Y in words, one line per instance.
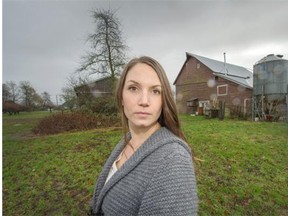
column 198, row 65
column 222, row 90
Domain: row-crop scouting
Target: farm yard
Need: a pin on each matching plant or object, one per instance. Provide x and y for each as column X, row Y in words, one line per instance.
column 242, row 166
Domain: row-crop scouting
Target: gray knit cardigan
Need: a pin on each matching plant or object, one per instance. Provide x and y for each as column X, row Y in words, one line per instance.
column 158, row 179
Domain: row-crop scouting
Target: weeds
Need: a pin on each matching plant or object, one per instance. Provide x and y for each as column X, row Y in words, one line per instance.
column 74, row 121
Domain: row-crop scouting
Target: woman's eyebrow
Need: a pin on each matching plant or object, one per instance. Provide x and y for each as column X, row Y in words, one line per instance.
column 135, row 82
column 157, row 86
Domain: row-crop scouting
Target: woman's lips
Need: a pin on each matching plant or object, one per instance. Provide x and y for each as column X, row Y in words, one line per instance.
column 142, row 113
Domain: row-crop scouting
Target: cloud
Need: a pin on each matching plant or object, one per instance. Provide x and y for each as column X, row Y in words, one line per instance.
column 43, row 41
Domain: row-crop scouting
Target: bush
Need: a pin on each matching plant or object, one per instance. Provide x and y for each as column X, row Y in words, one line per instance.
column 104, row 105
column 74, row 121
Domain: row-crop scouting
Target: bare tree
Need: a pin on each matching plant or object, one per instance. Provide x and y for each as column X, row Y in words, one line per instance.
column 69, row 97
column 46, row 99
column 10, row 92
column 107, row 55
column 29, row 97
column 14, row 91
column 5, row 93
column 37, row 100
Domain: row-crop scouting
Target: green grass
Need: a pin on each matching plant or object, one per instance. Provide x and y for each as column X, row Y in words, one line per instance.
column 51, row 175
column 19, row 126
column 244, row 169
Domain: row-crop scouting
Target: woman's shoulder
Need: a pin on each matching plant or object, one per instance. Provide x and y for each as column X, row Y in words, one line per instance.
column 174, row 140
column 170, row 144
column 176, row 147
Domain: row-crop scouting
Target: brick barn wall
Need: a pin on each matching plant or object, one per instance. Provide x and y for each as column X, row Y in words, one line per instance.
column 238, row 99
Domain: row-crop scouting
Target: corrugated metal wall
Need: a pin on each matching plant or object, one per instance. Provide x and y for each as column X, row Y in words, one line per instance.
column 270, row 86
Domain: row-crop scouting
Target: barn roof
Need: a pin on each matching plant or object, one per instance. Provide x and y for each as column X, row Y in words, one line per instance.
column 233, row 73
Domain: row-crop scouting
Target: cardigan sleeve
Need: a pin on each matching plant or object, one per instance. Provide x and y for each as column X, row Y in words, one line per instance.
column 172, row 189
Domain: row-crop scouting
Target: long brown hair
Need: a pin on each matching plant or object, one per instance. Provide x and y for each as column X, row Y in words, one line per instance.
column 168, row 117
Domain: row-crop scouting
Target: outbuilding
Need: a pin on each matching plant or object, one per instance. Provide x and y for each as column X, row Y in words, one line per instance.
column 204, row 85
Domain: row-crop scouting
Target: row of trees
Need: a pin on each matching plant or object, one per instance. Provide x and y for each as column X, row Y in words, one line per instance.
column 24, row 94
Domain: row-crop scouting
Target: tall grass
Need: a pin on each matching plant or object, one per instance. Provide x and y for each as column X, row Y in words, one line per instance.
column 242, row 169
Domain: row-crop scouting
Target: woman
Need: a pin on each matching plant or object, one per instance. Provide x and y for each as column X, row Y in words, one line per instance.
column 150, row 171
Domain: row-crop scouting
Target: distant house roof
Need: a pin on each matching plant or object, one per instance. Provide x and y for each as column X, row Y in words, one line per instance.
column 233, row 73
column 103, row 78
column 93, row 84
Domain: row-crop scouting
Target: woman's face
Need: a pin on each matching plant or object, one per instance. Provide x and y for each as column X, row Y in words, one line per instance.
column 142, row 97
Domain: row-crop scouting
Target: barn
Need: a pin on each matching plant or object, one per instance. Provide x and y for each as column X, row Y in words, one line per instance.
column 204, row 85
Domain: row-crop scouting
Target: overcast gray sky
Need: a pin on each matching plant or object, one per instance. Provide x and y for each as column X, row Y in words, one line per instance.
column 43, row 41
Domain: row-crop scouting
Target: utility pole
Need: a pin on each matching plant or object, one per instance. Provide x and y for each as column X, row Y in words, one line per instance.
column 57, row 100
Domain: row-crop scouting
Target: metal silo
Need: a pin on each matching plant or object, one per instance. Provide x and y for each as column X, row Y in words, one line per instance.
column 270, row 88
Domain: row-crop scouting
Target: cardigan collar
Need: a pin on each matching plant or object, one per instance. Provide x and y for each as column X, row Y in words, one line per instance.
column 155, row 141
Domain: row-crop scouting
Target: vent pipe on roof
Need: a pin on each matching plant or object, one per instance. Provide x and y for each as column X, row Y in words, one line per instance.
column 225, row 69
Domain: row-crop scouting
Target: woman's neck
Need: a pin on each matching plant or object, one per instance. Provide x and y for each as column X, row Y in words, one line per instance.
column 139, row 136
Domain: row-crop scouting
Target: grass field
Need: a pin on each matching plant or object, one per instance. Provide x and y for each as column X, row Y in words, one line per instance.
column 243, row 166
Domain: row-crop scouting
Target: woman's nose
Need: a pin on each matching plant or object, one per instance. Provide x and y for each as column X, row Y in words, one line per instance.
column 144, row 99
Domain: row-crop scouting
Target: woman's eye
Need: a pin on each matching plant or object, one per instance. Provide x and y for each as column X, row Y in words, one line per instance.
column 156, row 91
column 132, row 88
